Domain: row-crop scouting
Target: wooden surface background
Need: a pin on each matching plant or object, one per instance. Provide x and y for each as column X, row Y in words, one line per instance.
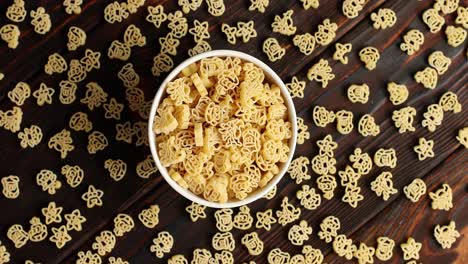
column 397, row 218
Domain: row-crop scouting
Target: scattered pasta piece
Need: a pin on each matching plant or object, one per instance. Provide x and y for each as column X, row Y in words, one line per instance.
column 370, row 56
column 104, row 243
column 30, row 137
column 62, row 142
column 411, row 249
column 246, row 31
column 67, row 92
column 462, row 16
column 455, row 35
column 113, row 109
column 308, row 197
column 322, row 117
column 269, row 195
column 156, row 15
column 415, row 190
column 230, row 32
column 17, row 235
column 310, row 4
column 253, row 243
column 10, row 34
column 162, row 244
column 48, row 181
column 433, row 117
column 385, row 158
column 259, row 5
column 344, row 247
column 276, row 255
column 398, row 93
column 442, row 198
column 427, row 77
column 284, row 24
column 243, row 220
column 60, row 236
column 433, row 20
column 367, row 126
column 178, row 24
column 300, row 233
column 384, row 18
column 40, row 20
column 20, row 93
column 75, row 220
column 149, row 217
column 321, row 72
column 189, row 5
column 302, row 131
column 298, row 169
column 97, row 141
column 326, row 32
column 10, row 187
column 223, row 241
column 327, row 184
column 16, row 12
column 341, row 51
column 177, row 259
column 351, row 8
column 37, row 231
column 412, row 41
column 424, row 149
column 403, row 119
column 11, row 119
column 114, row 260
column 273, row 50
column 344, row 122
column 216, row 7
column 296, row 87
column 358, row 93
column 449, row 102
column 55, row 64
column 52, row 213
column 115, row 12
column 76, row 71
column 383, row 185
column 352, row 195
column 43, row 94
column 161, row 63
column 384, row 250
column 288, row 213
column 196, row 211
column 93, row 197
column 224, row 220
column 117, row 168
column 200, row 30
column 76, row 38
column 329, row 228
column 265, row 220
column 364, row 254
column 73, row 6
column 73, row 174
column 463, row 136
column 446, row 235
column 305, row 43
column 361, row 162
column 88, row 258
column 446, row 7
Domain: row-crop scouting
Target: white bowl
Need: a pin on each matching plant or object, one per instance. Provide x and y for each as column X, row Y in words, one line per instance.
column 272, row 77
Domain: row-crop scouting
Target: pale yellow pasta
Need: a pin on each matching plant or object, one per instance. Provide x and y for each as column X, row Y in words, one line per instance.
column 398, row 93
column 384, row 18
column 273, row 50
column 358, row 93
column 433, row 117
column 20, row 93
column 321, row 72
column 326, row 32
column 55, row 64
column 306, row 4
column 344, row 122
column 115, row 12
column 149, row 217
column 44, row 94
column 37, row 230
column 449, row 102
column 462, row 16
column 384, row 249
column 383, row 185
column 10, row 34
column 243, row 220
column 67, row 92
column 403, row 119
column 94, row 95
column 412, row 41
column 119, row 50
column 455, row 35
column 300, row 233
column 369, row 56
column 446, row 235
column 442, row 198
column 259, row 5
column 30, row 137
column 62, row 142
column 322, row 117
column 73, row 174
column 11, row 119
column 200, row 30
column 48, row 181
column 117, row 168
column 52, row 213
column 76, row 38
column 284, row 24
column 364, row 254
column 288, row 212
column 60, row 236
column 424, row 149
column 10, row 186
column 411, row 249
column 341, row 50
column 367, row 126
column 344, row 247
column 305, row 42
column 223, row 241
column 253, row 243
column 92, row 197
column 351, row 8
column 433, row 20
column 277, row 256
column 385, row 158
column 104, row 243
column 162, row 244
column 265, row 220
column 4, row 254
column 246, row 31
column 97, row 141
column 446, row 6
column 88, row 258
column 329, row 228
column 73, row 6
column 40, row 20
column 156, row 15
column 415, row 190
column 462, row 136
column 74, row 220
column 296, row 87
column 16, row 11
column 76, row 71
column 216, row 7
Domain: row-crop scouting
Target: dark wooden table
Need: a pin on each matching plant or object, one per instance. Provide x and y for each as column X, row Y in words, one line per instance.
column 397, row 218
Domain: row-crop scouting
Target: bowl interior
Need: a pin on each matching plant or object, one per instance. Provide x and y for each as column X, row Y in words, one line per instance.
column 271, row 77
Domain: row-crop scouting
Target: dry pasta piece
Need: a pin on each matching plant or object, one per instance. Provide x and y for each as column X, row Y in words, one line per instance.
column 91, row 60
column 433, row 20
column 115, row 12
column 265, row 220
column 76, row 38
column 326, row 32
column 60, row 236
column 277, row 256
column 302, row 131
column 367, row 126
column 74, row 220
column 344, row 121
column 243, row 220
column 446, row 6
column 125, row 132
column 364, row 254
column 323, row 164
column 326, row 184
column 67, row 92
column 433, row 117
column 48, row 181
column 113, row 109
column 37, row 231
column 385, row 158
column 383, row 185
column 404, row 118
column 352, row 195
column 224, row 221
column 296, row 87
column 358, row 93
column 79, row 122
column 298, row 169
column 230, row 32
column 321, row 72
column 52, row 213
column 455, row 35
column 169, row 44
column 4, row 254
column 411, row 249
column 306, row 4
column 370, row 57
column 200, row 47
column 88, row 258
column 223, row 241
column 349, row 176
column 177, row 259
column 94, row 95
column 17, row 235
column 149, row 217
column 20, row 93
column 11, row 119
column 322, row 117
column 10, row 34
column 134, row 37
column 246, row 30
column 114, row 260
column 62, row 142
column 177, row 24
column 343, row 246
column 327, row 146
column 200, row 30
column 196, row 211
column 93, row 197
column 351, row 8
column 273, row 50
column 446, row 235
column 10, row 187
column 16, row 11
column 156, row 15
column 463, row 136
column 55, row 64
column 259, row 5
column 128, row 76
column 73, row 174
column 308, row 197
column 288, row 213
column 162, row 244
column 73, row 6
column 412, row 41
column 442, row 198
column 97, row 141
column 384, row 250
column 415, row 190
column 384, row 18
column 253, row 243
column 341, row 51
column 117, row 168
column 216, row 7
column 305, row 43
column 104, row 242
column 398, row 93
column 427, row 77
column 300, row 233
column 146, row 168
column 40, row 20
column 76, row 72
column 424, row 149
column 284, row 24
column 462, row 16
column 30, row 137
column 189, row 5
column 43, row 94
column 329, row 228
column 361, row 162
column 449, row 102
column 119, row 50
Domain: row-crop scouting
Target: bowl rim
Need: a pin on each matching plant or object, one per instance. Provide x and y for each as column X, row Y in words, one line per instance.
column 274, row 78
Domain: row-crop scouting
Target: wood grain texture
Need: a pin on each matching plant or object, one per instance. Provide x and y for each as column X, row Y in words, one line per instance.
column 397, row 217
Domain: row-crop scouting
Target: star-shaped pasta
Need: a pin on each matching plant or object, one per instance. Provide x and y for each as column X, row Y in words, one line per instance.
column 265, row 219
column 52, row 213
column 74, row 220
column 93, row 197
column 196, row 211
column 91, row 60
column 200, row 30
column 156, row 15
column 113, row 109
column 411, row 249
column 296, row 87
column 424, row 149
column 60, row 236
